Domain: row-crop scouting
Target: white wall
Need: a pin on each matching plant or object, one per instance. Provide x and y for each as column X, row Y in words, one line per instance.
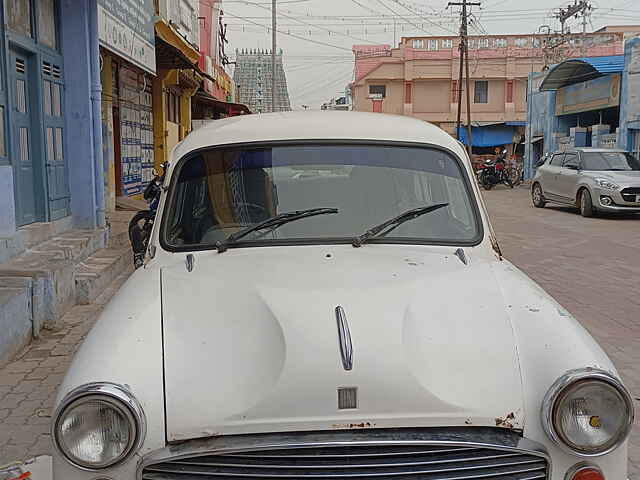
column 183, row 15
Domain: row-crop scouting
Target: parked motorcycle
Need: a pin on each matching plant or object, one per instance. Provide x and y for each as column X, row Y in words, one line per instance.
column 492, row 173
column 141, row 224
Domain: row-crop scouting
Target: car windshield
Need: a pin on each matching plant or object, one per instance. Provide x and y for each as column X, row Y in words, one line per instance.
column 219, row 192
column 609, row 161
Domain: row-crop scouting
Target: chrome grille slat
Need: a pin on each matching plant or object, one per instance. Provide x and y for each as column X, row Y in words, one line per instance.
column 218, row 463
column 375, row 460
column 374, row 471
column 353, row 452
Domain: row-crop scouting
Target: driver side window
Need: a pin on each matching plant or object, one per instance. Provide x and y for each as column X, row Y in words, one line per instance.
column 571, row 161
column 557, row 159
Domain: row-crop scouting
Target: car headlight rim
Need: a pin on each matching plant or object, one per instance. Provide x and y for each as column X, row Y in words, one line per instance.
column 117, row 397
column 562, row 387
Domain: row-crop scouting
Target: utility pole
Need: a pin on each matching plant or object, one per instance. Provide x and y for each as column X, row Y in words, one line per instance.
column 565, row 14
column 273, row 55
column 464, row 51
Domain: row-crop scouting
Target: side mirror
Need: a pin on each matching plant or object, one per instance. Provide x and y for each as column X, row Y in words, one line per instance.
column 541, row 162
column 572, row 167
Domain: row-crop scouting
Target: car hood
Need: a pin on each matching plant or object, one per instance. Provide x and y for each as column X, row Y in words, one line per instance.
column 251, row 341
column 622, row 177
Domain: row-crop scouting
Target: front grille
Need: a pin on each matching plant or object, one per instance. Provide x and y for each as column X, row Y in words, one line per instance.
column 629, row 194
column 425, row 462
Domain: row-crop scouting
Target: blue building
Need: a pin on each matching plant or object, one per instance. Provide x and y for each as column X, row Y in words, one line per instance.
column 50, row 120
column 584, row 102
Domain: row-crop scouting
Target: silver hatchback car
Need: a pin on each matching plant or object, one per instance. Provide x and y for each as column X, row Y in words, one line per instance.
column 596, row 180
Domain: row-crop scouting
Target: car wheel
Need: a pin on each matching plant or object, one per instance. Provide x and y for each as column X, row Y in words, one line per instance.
column 537, row 197
column 586, row 205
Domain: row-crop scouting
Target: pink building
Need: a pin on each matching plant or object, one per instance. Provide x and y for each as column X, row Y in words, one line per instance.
column 420, row 76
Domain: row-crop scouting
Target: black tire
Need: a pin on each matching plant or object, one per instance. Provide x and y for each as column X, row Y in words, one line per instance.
column 586, row 204
column 485, row 182
column 139, row 233
column 537, row 197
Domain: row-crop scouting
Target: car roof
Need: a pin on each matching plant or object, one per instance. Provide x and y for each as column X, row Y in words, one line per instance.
column 592, row 149
column 316, row 125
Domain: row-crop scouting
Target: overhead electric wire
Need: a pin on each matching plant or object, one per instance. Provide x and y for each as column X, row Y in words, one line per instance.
column 307, row 23
column 422, row 16
column 293, row 35
column 404, row 18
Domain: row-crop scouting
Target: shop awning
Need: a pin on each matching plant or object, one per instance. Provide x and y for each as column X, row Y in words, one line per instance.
column 488, row 136
column 203, row 98
column 579, row 70
column 174, row 39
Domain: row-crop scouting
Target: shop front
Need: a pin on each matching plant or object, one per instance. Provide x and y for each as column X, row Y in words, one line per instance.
column 576, row 104
column 128, row 68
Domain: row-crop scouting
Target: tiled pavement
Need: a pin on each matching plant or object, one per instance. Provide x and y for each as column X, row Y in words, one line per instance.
column 28, row 384
column 591, row 266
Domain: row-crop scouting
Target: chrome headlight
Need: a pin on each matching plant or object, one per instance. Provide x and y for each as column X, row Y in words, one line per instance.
column 606, row 184
column 587, row 412
column 98, row 425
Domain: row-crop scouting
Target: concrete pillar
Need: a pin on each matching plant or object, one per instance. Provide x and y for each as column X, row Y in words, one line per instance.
column 578, row 136
column 596, row 133
column 108, row 153
column 79, row 38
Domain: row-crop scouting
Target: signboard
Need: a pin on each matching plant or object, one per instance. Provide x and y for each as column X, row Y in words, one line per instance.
column 596, row 94
column 126, row 27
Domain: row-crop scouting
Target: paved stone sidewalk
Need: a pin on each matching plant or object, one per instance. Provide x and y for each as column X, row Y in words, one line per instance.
column 28, row 384
column 591, row 266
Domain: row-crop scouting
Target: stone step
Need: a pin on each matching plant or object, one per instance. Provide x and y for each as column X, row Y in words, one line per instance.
column 100, row 270
column 15, row 317
column 50, row 267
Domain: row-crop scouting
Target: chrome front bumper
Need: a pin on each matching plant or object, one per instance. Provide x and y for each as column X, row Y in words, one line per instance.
column 443, row 453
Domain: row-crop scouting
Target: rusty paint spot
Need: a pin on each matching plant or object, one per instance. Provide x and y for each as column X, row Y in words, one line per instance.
column 506, row 422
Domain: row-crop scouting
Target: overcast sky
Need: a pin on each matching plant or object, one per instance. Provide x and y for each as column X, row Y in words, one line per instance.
column 317, row 35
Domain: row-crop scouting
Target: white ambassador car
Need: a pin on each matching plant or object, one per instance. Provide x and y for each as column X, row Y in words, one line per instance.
column 324, row 298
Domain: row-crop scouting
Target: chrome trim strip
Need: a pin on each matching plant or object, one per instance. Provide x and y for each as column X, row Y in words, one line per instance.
column 120, row 396
column 559, row 387
column 473, row 437
column 344, row 337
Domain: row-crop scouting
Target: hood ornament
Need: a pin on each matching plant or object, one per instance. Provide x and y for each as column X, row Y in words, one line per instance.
column 344, row 339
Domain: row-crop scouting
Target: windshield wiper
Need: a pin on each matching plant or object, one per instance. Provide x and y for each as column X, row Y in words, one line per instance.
column 272, row 223
column 395, row 222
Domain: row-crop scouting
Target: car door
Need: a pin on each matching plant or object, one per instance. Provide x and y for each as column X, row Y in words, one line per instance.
column 550, row 173
column 567, row 179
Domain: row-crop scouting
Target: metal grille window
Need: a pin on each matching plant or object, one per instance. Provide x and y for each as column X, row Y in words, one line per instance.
column 59, row 155
column 417, row 44
column 19, row 16
column 432, row 45
column 21, row 96
column 481, row 92
column 521, row 42
column 50, row 148
column 24, row 144
column 47, row 33
column 378, row 90
column 56, row 106
column 46, row 96
column 447, row 43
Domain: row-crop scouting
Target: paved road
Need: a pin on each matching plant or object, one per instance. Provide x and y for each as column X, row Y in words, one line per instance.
column 591, row 266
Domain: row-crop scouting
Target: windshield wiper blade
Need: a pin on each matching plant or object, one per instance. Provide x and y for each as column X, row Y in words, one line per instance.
column 272, row 223
column 395, row 222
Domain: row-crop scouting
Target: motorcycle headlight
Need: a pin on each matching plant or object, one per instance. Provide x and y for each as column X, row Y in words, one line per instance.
column 98, row 425
column 587, row 412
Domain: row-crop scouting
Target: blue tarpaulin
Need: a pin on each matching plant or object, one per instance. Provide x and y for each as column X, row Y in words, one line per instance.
column 489, row 136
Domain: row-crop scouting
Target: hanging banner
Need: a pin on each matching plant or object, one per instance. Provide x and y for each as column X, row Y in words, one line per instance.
column 126, row 27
